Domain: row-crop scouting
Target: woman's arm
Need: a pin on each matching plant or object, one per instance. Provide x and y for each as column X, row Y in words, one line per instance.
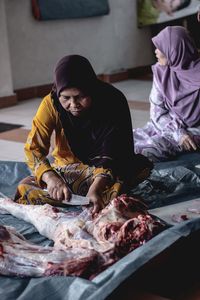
column 38, row 141
column 168, row 123
column 37, row 149
column 163, row 120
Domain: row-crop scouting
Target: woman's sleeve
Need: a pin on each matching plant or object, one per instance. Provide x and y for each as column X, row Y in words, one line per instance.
column 38, row 141
column 163, row 120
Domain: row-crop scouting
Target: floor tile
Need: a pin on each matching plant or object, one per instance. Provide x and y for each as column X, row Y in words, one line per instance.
column 21, row 113
column 11, row 151
column 138, row 105
column 139, row 118
column 135, row 89
column 16, row 135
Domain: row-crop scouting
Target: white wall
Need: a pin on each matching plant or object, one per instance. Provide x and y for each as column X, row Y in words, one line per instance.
column 6, row 87
column 111, row 42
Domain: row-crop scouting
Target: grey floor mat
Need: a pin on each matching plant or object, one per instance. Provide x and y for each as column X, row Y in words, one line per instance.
column 8, row 126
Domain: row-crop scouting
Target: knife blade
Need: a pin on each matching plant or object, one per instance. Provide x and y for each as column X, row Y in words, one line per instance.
column 77, row 200
column 74, row 200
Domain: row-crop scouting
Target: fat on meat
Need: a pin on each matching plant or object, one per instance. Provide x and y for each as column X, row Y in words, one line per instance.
column 66, row 229
column 19, row 257
column 119, row 228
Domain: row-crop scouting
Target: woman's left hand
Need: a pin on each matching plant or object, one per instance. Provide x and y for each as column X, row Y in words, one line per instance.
column 187, row 143
column 96, row 200
column 95, row 193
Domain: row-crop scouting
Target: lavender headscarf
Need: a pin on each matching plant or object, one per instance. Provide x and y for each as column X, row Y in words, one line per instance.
column 179, row 81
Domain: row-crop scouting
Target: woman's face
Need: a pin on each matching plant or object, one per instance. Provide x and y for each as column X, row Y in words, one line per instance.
column 162, row 59
column 74, row 101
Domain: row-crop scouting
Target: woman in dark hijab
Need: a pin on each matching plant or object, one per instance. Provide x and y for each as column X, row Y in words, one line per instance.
column 174, row 125
column 93, row 145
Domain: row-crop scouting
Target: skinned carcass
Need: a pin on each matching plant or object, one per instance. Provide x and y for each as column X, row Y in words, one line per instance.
column 118, row 229
column 66, row 229
column 18, row 257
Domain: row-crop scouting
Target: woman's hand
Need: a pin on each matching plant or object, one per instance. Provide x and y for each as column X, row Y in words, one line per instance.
column 56, row 187
column 95, row 193
column 187, row 143
column 96, row 200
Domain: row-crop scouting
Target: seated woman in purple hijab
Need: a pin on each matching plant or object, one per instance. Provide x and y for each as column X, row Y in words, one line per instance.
column 174, row 125
column 93, row 153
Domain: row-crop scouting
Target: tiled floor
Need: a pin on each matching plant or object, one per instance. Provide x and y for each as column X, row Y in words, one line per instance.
column 12, row 142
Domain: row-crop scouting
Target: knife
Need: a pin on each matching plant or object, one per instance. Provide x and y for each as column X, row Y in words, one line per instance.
column 77, row 200
column 74, row 200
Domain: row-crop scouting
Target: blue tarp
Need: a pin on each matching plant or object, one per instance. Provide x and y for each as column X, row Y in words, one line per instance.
column 10, row 174
column 170, row 182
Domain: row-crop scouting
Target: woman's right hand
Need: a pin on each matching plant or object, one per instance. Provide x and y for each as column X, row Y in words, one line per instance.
column 187, row 143
column 56, row 187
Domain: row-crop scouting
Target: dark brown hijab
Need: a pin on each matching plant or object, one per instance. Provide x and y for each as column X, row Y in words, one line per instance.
column 102, row 137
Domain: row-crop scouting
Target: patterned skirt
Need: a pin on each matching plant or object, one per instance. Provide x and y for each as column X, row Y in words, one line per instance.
column 78, row 178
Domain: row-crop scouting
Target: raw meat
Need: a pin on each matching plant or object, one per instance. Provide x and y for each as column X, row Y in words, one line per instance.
column 21, row 258
column 112, row 233
column 124, row 224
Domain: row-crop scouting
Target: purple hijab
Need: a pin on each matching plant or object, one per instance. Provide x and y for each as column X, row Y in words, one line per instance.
column 179, row 81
